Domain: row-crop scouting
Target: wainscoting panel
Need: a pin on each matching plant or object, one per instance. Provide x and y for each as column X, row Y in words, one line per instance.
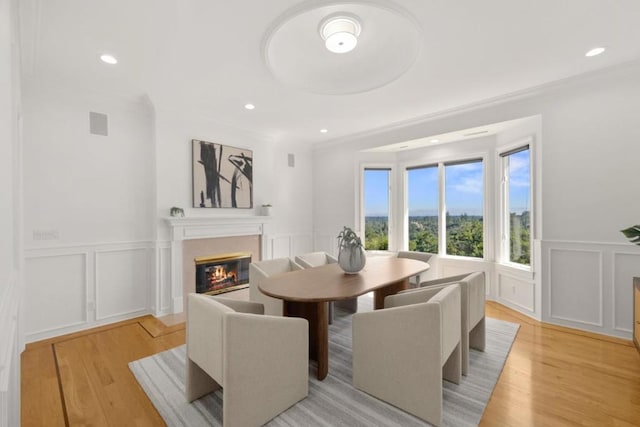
column 326, row 242
column 122, row 282
column 278, row 246
column 625, row 268
column 516, row 291
column 288, row 245
column 71, row 288
column 164, row 281
column 576, row 291
column 302, row 244
column 56, row 293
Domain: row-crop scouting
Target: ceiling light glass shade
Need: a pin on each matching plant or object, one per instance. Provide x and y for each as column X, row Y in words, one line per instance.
column 108, row 59
column 595, row 51
column 340, row 33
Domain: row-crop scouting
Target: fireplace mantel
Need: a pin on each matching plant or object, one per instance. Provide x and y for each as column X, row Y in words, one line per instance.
column 215, row 226
column 191, row 228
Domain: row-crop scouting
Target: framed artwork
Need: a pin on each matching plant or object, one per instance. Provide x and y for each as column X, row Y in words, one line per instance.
column 222, row 176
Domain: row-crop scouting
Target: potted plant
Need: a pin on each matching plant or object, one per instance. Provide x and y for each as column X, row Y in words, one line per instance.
column 633, row 234
column 351, row 254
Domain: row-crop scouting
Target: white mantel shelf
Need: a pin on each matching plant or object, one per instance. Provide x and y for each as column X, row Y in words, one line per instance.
column 186, row 228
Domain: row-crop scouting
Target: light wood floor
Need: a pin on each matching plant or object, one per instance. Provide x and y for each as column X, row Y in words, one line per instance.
column 553, row 377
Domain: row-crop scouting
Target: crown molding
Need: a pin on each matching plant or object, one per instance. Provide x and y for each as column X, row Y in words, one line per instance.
column 477, row 105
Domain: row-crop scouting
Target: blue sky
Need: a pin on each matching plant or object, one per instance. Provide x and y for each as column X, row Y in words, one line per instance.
column 463, row 188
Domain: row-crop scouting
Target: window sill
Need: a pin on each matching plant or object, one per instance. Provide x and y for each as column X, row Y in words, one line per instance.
column 516, row 270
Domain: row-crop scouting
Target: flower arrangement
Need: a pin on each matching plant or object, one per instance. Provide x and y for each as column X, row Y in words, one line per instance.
column 633, row 234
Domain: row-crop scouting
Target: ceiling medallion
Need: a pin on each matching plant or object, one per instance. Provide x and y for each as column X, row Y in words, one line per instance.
column 305, row 48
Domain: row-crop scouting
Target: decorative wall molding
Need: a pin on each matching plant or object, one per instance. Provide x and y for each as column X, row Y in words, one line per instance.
column 80, row 270
column 571, row 304
column 620, row 278
column 9, row 353
column 601, row 270
column 124, row 292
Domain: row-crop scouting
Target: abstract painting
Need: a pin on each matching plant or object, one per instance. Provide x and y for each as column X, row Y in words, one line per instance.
column 222, row 176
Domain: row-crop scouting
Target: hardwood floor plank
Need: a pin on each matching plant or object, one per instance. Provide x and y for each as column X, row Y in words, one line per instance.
column 40, row 400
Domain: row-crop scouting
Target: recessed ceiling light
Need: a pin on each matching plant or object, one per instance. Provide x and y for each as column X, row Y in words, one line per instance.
column 323, row 131
column 595, row 51
column 434, row 141
column 249, row 106
column 108, row 59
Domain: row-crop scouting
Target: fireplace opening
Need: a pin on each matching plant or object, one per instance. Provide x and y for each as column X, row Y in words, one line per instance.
column 222, row 273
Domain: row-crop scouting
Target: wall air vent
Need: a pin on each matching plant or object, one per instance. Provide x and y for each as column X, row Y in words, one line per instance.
column 98, row 124
column 480, row 132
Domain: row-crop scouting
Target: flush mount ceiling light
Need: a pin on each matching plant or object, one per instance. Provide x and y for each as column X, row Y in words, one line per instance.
column 249, row 106
column 108, row 59
column 324, row 130
column 595, row 51
column 340, row 33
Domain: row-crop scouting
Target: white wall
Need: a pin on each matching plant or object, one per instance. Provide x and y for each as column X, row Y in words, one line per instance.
column 89, row 205
column 7, row 146
column 587, row 182
column 11, row 340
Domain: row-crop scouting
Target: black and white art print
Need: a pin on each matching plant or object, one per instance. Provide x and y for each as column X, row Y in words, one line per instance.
column 222, row 176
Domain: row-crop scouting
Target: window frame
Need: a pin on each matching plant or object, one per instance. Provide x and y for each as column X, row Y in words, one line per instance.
column 503, row 233
column 405, row 227
column 360, row 209
column 485, row 198
column 442, row 233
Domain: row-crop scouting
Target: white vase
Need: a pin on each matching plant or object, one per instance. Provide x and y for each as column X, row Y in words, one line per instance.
column 352, row 259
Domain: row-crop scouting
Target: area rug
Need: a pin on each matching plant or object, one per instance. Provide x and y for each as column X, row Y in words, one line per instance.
column 333, row 401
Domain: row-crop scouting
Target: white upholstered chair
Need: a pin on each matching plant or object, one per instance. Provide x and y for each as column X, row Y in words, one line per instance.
column 259, row 271
column 420, row 256
column 261, row 362
column 472, row 287
column 315, row 259
column 402, row 352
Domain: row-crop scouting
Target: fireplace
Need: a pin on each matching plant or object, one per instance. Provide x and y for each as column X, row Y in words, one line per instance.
column 222, row 273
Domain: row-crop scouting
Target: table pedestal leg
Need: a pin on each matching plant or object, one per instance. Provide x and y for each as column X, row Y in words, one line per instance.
column 316, row 315
column 391, row 289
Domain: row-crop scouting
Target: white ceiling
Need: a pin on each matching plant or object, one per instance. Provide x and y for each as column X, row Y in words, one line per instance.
column 414, row 57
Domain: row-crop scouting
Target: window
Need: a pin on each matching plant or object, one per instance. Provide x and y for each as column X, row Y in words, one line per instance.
column 376, row 208
column 516, row 196
column 464, row 208
column 422, row 204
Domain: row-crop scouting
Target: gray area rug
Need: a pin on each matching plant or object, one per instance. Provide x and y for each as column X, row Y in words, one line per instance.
column 334, row 401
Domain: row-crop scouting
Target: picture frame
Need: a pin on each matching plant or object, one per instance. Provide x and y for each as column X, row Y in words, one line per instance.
column 222, row 176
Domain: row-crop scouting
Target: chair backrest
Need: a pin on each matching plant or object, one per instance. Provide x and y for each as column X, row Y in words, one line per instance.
column 476, row 297
column 448, row 298
column 205, row 331
column 275, row 266
column 420, row 256
column 449, row 301
column 315, row 259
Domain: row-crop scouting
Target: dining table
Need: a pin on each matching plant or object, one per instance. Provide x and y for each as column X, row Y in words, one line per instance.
column 306, row 293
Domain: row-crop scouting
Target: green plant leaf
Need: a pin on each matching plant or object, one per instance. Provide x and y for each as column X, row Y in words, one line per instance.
column 632, row 233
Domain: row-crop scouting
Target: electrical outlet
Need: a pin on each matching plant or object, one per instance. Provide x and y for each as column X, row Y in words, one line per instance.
column 46, row 235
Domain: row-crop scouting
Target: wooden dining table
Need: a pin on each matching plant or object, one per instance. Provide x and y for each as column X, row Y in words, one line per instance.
column 306, row 293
